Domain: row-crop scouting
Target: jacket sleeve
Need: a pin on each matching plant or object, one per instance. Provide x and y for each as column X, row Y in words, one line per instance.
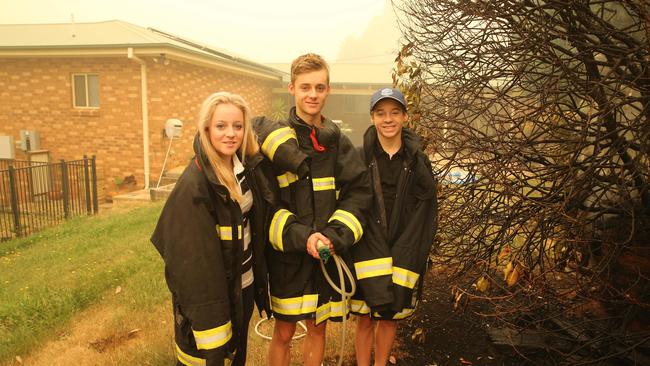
column 426, row 191
column 345, row 226
column 286, row 233
column 188, row 242
column 279, row 144
column 412, row 248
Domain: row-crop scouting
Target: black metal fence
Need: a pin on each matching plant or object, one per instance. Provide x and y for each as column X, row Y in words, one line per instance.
column 35, row 195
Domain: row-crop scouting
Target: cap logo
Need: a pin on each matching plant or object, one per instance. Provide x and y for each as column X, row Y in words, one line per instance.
column 386, row 92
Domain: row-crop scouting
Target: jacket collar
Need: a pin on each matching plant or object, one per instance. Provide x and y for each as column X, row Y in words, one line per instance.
column 410, row 143
column 327, row 135
column 203, row 162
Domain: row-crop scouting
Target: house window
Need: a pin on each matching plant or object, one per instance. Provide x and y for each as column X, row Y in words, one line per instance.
column 85, row 90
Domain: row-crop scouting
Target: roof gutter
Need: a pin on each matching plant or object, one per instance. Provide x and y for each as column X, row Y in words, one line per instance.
column 145, row 113
column 215, row 52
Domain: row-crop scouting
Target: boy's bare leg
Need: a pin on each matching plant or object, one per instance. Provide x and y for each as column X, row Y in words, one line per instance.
column 314, row 346
column 279, row 349
column 384, row 338
column 364, row 339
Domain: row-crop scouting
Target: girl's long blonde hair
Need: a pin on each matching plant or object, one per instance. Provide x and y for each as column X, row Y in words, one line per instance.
column 248, row 147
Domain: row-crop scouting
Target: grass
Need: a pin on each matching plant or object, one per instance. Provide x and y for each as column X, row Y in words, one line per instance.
column 60, row 303
column 50, row 276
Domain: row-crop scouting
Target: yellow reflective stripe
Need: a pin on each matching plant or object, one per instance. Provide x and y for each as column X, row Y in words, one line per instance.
column 323, row 184
column 225, row 232
column 350, row 221
column 213, row 338
column 275, row 139
column 359, row 307
column 374, row 268
column 295, row 305
column 405, row 313
column 285, row 179
column 188, row 360
column 277, row 227
column 404, row 277
column 331, row 309
column 338, row 193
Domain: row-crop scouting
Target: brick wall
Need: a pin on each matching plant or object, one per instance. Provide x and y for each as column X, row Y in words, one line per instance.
column 36, row 94
column 177, row 91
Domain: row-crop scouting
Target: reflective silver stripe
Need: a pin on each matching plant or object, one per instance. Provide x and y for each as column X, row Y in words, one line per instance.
column 323, row 184
column 247, row 278
column 329, row 310
column 188, row 360
column 225, row 232
column 374, row 267
column 285, row 179
column 275, row 139
column 404, row 277
column 350, row 221
column 213, row 338
column 295, row 305
column 359, row 307
column 277, row 227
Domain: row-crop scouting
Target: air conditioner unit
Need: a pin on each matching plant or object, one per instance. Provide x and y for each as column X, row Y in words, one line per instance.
column 7, row 147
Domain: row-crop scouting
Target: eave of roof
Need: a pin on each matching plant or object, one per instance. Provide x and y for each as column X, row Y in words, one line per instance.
column 145, row 42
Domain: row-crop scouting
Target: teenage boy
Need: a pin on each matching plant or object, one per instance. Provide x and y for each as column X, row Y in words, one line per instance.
column 391, row 262
column 324, row 193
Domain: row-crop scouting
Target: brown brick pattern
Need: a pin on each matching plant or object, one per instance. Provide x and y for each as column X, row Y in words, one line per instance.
column 36, row 94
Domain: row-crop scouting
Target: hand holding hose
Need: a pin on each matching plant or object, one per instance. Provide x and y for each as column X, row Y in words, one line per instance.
column 312, row 244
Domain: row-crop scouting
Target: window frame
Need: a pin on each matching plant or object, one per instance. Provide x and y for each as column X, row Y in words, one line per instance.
column 87, row 96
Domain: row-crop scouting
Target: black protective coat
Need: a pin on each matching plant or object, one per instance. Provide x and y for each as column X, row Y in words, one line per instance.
column 203, row 271
column 293, row 273
column 407, row 236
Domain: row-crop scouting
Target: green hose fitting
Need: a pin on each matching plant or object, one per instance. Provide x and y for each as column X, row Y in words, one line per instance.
column 323, row 251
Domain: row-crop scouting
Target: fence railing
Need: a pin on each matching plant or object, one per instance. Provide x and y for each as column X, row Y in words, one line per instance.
column 35, row 195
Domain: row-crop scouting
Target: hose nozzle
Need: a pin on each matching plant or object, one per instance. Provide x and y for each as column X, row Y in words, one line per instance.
column 323, row 251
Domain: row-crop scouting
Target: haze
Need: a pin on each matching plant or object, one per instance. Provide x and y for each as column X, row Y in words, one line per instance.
column 264, row 31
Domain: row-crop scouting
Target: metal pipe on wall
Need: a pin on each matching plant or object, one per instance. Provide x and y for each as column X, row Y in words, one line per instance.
column 145, row 113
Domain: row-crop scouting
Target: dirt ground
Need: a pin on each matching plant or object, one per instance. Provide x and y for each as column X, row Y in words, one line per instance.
column 449, row 337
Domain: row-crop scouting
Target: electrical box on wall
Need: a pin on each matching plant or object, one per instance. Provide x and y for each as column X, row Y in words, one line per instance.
column 7, row 147
column 173, row 128
column 30, row 140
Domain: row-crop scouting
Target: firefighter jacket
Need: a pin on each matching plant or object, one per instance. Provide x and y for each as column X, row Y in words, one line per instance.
column 199, row 236
column 308, row 184
column 391, row 260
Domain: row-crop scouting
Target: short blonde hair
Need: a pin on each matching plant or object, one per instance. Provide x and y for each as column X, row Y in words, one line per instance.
column 249, row 144
column 307, row 63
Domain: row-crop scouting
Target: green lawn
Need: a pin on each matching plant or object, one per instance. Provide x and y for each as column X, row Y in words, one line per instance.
column 50, row 276
column 58, row 297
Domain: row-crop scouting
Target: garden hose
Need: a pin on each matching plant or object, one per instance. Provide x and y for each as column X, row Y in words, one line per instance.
column 324, row 254
column 264, row 336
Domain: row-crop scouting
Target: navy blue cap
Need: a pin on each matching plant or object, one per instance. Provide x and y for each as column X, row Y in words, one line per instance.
column 387, row 93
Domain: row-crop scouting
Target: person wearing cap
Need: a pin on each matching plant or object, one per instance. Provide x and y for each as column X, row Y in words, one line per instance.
column 323, row 195
column 391, row 259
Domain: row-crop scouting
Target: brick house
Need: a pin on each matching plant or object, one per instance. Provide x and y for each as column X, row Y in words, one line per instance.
column 107, row 89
